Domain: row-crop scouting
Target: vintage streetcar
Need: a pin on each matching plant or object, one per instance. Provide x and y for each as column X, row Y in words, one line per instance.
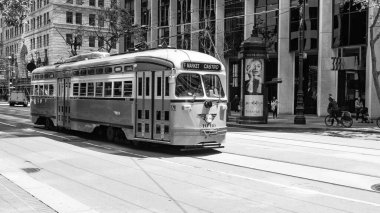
column 167, row 96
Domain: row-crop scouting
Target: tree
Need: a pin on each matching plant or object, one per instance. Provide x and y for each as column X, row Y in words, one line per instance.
column 14, row 11
column 113, row 23
column 75, row 42
column 373, row 7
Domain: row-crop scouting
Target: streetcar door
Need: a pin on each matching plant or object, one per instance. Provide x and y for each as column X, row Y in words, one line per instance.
column 63, row 105
column 161, row 106
column 144, row 105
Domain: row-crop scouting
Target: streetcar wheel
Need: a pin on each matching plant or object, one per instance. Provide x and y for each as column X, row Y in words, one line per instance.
column 347, row 122
column 110, row 133
column 120, row 136
column 49, row 124
column 329, row 120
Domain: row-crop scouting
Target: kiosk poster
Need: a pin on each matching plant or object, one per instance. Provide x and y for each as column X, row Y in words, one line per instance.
column 253, row 91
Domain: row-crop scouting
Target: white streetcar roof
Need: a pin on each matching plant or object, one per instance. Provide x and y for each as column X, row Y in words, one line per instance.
column 175, row 56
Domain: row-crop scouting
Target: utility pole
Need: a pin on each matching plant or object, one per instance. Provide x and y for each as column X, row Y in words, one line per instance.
column 300, row 117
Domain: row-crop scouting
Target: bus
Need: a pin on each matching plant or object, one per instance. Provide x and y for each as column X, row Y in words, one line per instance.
column 165, row 96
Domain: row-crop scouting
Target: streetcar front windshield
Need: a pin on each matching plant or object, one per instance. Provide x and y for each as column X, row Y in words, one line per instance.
column 188, row 84
column 213, row 86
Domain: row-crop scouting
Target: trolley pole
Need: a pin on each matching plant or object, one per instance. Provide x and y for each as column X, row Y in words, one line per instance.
column 300, row 117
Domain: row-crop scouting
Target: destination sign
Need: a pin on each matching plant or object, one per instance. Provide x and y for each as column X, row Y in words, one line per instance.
column 201, row 66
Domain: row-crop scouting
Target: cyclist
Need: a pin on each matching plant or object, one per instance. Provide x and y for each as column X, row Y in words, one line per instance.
column 333, row 109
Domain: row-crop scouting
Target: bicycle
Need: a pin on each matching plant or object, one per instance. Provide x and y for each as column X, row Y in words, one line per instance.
column 345, row 119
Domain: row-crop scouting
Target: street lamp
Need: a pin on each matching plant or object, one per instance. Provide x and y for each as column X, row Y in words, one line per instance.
column 300, row 117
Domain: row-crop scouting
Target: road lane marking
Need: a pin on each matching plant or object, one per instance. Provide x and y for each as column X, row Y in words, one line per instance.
column 8, row 124
column 298, row 189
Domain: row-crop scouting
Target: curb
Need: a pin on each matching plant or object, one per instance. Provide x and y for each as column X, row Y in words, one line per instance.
column 304, row 128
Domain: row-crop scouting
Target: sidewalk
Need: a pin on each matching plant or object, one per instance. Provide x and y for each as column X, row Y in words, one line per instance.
column 313, row 122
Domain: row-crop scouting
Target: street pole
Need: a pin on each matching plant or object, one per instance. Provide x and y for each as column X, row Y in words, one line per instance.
column 9, row 76
column 300, row 117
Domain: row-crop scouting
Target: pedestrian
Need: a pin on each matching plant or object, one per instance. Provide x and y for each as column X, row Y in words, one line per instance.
column 274, row 105
column 235, row 103
column 333, row 109
column 358, row 107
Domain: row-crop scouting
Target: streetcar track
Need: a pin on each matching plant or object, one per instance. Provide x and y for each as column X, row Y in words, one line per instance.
column 210, row 170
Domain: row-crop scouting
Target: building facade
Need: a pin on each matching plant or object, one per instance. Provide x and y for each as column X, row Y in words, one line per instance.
column 336, row 59
column 48, row 35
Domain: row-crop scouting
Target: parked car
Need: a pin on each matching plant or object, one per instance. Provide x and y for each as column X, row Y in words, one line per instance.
column 18, row 98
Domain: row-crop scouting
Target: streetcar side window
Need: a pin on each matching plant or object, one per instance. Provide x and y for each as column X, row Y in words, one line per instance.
column 91, row 71
column 159, row 88
column 108, row 70
column 51, row 89
column 127, row 89
column 75, row 89
column 147, row 86
column 83, row 89
column 41, row 90
column 166, row 86
column 46, row 89
column 35, row 90
column 99, row 71
column 188, row 85
column 83, row 72
column 140, row 87
column 117, row 87
column 118, row 69
column 75, row 72
column 90, row 89
column 99, row 89
column 107, row 89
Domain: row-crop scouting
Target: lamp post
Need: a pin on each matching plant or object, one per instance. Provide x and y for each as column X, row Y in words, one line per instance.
column 9, row 75
column 300, row 117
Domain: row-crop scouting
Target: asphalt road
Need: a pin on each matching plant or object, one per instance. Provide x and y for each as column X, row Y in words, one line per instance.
column 257, row 171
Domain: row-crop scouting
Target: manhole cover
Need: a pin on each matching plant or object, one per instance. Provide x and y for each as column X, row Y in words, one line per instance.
column 31, row 170
column 376, row 187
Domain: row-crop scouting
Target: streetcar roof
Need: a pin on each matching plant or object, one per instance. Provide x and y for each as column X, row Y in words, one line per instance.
column 171, row 58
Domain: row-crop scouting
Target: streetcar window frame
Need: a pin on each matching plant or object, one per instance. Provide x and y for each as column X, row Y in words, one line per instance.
column 127, row 89
column 83, row 72
column 99, row 91
column 90, row 89
column 75, row 89
column 117, row 88
column 107, row 70
column 186, row 87
column 91, row 71
column 118, row 69
column 51, row 90
column 99, row 71
column 108, row 90
column 75, row 72
column 35, row 91
column 82, row 89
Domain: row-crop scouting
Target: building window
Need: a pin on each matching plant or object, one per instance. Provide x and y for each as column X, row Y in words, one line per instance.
column 266, row 22
column 184, row 27
column 79, row 2
column 69, row 1
column 207, row 23
column 69, row 38
column 163, row 13
column 145, row 13
column 101, row 3
column 91, row 41
column 92, row 3
column 310, row 25
column 100, row 42
column 101, row 21
column 91, row 20
column 69, row 17
column 78, row 18
column 349, row 23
